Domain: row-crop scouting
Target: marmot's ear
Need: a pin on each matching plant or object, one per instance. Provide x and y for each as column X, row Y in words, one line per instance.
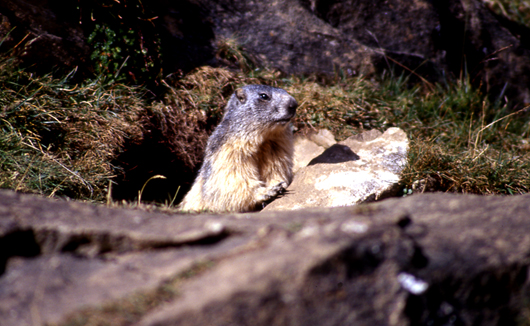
column 241, row 96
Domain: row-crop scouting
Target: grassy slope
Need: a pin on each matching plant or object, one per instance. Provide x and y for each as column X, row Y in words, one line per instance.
column 58, row 139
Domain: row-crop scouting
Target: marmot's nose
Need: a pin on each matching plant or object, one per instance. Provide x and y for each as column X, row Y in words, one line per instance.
column 292, row 105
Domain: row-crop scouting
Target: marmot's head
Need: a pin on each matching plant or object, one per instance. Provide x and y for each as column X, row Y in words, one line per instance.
column 261, row 105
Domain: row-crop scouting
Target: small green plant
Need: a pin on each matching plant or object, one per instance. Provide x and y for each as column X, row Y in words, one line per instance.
column 124, row 40
column 107, row 54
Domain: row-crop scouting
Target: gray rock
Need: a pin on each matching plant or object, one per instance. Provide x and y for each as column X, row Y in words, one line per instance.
column 48, row 39
column 323, row 137
column 424, row 259
column 310, row 145
column 304, row 151
column 416, row 38
column 87, row 255
column 358, row 169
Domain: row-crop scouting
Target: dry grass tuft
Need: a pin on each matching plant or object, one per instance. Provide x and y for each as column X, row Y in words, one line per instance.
column 339, row 107
column 190, row 112
column 57, row 138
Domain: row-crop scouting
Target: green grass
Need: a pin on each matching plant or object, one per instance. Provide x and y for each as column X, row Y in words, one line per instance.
column 463, row 143
column 60, row 139
column 460, row 141
column 515, row 10
column 57, row 138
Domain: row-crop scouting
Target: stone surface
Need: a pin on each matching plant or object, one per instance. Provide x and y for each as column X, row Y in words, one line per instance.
column 419, row 38
column 426, row 40
column 87, row 255
column 361, row 168
column 431, row 259
column 42, row 35
column 323, row 137
column 304, row 151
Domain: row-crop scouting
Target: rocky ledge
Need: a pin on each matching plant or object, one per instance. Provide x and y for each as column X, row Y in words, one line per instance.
column 430, row 259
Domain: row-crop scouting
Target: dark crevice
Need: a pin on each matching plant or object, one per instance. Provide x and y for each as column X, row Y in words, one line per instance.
column 423, row 310
column 356, row 260
column 404, row 221
column 488, row 298
column 20, row 243
column 418, row 260
column 94, row 245
column 208, row 240
column 75, row 242
column 24, row 244
column 335, row 154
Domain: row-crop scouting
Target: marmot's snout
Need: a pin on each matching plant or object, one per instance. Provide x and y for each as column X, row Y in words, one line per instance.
column 289, row 109
column 291, row 106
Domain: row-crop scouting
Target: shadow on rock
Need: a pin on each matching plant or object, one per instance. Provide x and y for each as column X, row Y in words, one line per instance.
column 335, row 154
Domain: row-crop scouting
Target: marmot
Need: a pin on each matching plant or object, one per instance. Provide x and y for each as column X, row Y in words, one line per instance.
column 249, row 156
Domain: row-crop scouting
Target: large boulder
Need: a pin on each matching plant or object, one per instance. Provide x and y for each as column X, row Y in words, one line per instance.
column 425, row 39
column 44, row 34
column 432, row 259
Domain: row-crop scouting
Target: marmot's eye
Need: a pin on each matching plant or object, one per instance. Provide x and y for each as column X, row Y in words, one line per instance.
column 264, row 96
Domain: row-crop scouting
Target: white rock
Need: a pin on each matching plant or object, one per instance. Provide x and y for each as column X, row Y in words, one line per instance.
column 361, row 168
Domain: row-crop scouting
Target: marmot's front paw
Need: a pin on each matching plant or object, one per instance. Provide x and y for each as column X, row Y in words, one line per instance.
column 269, row 193
column 275, row 190
column 280, row 187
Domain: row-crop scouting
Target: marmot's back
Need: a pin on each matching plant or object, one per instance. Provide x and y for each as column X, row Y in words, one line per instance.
column 249, row 156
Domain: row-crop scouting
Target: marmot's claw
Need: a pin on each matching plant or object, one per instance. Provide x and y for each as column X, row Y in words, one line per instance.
column 277, row 189
column 283, row 185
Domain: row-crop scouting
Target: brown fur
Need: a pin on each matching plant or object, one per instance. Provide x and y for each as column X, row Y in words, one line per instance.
column 249, row 167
